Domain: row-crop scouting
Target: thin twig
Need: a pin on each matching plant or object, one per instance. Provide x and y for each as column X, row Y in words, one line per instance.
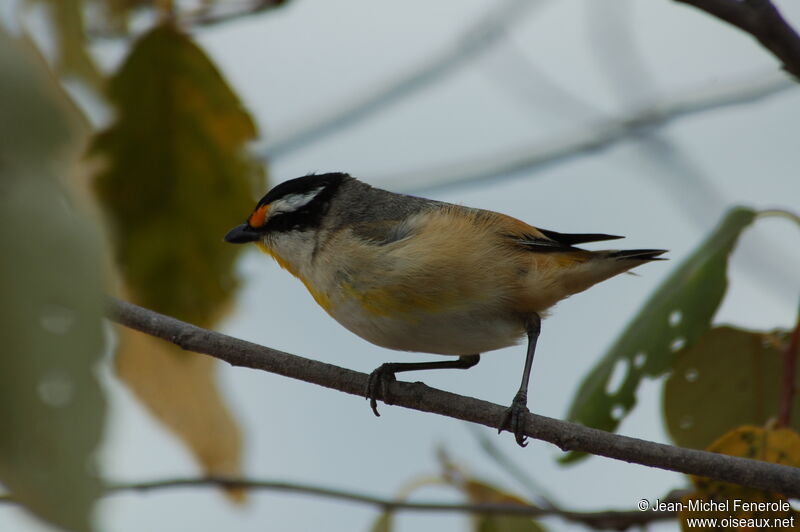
column 194, row 17
column 612, row 37
column 788, row 387
column 779, row 213
column 762, row 20
column 567, row 436
column 212, row 17
column 609, row 519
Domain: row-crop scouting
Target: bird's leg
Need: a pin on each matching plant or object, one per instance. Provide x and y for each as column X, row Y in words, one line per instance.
column 379, row 380
column 513, row 419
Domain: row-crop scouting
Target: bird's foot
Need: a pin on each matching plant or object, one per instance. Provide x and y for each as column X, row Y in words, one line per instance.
column 514, row 418
column 378, row 386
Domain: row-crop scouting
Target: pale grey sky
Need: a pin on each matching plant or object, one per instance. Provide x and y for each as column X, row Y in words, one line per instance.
column 294, row 63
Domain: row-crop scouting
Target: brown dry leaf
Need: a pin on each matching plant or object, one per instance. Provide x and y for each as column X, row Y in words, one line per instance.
column 737, row 507
column 180, row 389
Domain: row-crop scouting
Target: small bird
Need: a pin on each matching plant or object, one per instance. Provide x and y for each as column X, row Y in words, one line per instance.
column 414, row 274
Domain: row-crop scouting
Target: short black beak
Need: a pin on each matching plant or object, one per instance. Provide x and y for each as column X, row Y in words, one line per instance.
column 242, row 234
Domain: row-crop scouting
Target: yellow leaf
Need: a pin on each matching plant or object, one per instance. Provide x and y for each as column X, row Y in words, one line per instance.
column 384, row 523
column 738, row 507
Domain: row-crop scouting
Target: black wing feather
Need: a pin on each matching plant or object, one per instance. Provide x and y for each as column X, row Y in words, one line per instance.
column 558, row 242
column 570, row 239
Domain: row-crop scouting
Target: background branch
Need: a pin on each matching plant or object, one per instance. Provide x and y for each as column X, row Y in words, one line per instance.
column 568, row 436
column 762, row 20
column 510, row 163
column 478, row 37
column 205, row 15
column 603, row 520
column 209, row 17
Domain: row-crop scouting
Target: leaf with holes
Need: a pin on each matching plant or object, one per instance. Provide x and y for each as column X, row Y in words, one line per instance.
column 176, row 175
column 721, row 500
column 728, row 378
column 52, row 408
column 676, row 315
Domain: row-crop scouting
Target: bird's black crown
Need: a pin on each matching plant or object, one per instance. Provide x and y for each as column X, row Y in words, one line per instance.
column 299, row 185
column 308, row 215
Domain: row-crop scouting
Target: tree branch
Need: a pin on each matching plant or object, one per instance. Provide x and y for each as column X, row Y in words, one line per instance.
column 604, row 520
column 568, row 436
column 762, row 20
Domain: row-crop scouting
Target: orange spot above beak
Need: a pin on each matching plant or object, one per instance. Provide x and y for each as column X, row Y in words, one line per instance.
column 259, row 217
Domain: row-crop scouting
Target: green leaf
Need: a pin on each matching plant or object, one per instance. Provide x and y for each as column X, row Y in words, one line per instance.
column 51, row 405
column 676, row 315
column 727, row 379
column 176, row 176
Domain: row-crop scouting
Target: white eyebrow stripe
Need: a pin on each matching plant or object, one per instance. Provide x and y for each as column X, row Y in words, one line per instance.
column 292, row 202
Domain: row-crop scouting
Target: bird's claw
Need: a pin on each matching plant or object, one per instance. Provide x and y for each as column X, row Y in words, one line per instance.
column 378, row 386
column 514, row 418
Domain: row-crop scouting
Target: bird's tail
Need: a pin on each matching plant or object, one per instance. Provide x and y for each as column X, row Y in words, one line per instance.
column 598, row 266
column 644, row 255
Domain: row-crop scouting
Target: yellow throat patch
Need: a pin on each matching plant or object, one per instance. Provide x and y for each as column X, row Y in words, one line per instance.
column 322, row 299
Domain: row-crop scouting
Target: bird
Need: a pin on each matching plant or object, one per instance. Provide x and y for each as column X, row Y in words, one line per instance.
column 414, row 274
